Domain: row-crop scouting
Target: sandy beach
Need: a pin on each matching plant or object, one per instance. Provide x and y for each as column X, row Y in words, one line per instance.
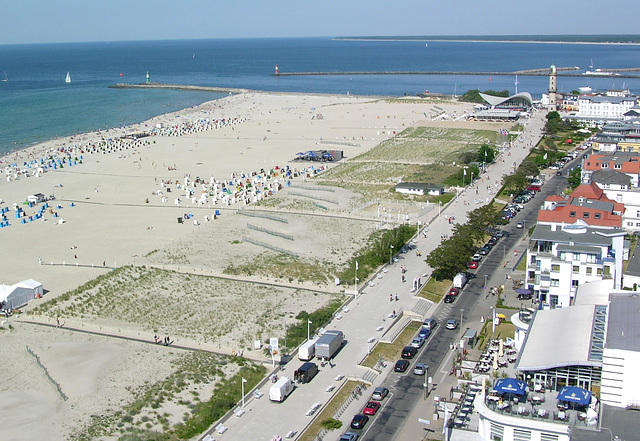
column 119, row 208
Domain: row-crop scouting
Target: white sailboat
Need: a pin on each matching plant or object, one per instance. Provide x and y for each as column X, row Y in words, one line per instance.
column 5, row 79
column 68, row 79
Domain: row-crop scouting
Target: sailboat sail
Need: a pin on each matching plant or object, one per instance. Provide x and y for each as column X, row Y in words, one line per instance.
column 5, row 79
column 68, row 79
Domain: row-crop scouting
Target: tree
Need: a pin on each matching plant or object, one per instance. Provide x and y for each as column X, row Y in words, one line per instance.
column 575, row 177
column 486, row 154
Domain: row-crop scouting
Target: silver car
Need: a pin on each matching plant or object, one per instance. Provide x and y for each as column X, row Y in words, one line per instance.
column 420, row 369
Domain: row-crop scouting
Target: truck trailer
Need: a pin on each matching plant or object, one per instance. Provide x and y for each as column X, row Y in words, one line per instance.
column 329, row 344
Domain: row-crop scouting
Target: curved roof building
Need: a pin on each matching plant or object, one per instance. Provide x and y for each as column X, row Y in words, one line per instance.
column 522, row 99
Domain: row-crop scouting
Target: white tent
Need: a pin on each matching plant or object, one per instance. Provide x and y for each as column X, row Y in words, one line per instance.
column 15, row 296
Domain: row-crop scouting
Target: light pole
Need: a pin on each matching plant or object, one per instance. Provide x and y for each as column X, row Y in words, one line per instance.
column 461, row 316
column 243, row 382
column 355, row 283
column 308, row 329
column 485, row 282
column 390, row 254
column 426, row 382
column 439, row 207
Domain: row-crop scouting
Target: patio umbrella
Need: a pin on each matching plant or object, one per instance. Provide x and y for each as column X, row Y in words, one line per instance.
column 523, row 291
column 510, row 386
column 574, row 395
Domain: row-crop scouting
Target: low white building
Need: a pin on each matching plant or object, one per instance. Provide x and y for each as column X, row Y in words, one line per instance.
column 420, row 189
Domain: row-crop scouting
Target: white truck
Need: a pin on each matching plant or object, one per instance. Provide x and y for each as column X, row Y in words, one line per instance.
column 459, row 280
column 281, row 389
column 307, row 350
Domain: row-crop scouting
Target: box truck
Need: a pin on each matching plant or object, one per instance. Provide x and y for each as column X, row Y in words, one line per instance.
column 459, row 280
column 328, row 344
column 307, row 350
column 305, row 373
column 281, row 389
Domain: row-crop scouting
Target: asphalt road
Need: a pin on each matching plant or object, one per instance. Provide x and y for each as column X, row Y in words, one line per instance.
column 406, row 388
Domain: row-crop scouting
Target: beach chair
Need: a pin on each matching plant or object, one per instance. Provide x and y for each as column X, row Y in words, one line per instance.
column 220, row 428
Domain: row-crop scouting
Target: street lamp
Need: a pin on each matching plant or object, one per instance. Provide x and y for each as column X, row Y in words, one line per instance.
column 426, row 382
column 439, row 207
column 308, row 329
column 461, row 316
column 355, row 283
column 485, row 282
column 390, row 254
column 243, row 382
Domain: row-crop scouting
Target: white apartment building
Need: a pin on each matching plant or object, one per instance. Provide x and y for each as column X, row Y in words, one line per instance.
column 561, row 257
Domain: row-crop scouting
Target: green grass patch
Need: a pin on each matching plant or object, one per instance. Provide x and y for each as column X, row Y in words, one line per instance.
column 504, row 330
column 434, row 290
column 391, row 351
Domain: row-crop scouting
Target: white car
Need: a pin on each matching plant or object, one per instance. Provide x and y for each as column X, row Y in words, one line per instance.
column 519, row 225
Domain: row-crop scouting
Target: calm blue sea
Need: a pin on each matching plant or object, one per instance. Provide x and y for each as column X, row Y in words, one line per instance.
column 36, row 104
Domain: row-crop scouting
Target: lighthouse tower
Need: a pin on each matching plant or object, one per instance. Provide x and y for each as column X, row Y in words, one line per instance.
column 553, row 88
column 277, row 70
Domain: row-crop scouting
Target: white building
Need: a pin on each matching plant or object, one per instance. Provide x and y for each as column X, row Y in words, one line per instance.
column 604, row 107
column 15, row 296
column 621, row 356
column 561, row 257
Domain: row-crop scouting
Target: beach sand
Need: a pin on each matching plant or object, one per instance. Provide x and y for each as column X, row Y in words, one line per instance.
column 112, row 225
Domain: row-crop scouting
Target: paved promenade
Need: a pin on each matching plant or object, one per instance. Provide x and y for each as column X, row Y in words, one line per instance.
column 366, row 319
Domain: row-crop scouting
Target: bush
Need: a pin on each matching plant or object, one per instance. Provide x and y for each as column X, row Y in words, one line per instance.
column 331, row 424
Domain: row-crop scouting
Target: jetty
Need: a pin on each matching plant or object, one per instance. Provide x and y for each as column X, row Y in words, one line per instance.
column 572, row 71
column 229, row 90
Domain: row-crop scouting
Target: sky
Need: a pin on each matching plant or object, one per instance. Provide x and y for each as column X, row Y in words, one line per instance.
column 45, row 21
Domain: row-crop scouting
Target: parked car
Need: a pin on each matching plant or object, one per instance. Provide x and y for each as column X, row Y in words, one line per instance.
column 371, row 408
column 379, row 393
column 473, row 265
column 420, row 369
column 499, row 233
column 484, row 251
column 349, row 436
column 429, row 323
column 409, row 352
column 476, row 257
column 359, row 421
column 401, row 366
column 558, row 173
column 520, row 225
column 449, row 298
column 454, row 291
column 417, row 342
column 424, row 333
column 452, row 324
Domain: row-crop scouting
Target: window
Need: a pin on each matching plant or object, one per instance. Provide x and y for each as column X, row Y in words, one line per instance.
column 554, row 282
column 596, row 215
column 548, row 437
column 555, row 268
column 572, row 214
column 605, row 165
column 585, row 215
column 576, row 269
column 589, row 271
column 575, row 283
column 521, row 435
column 617, row 166
column 607, row 270
column 598, row 271
column 497, row 432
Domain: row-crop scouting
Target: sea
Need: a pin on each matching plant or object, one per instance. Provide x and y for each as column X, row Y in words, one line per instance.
column 37, row 105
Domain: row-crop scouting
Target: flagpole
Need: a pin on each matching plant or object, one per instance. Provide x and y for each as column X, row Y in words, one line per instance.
column 355, row 283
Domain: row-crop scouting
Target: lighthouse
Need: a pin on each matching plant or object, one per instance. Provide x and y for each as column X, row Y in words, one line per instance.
column 277, row 70
column 148, row 78
column 553, row 88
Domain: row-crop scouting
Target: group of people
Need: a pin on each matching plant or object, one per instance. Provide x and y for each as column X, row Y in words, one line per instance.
column 166, row 341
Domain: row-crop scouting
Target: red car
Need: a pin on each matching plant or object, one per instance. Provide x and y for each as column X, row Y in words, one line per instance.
column 454, row 292
column 473, row 265
column 371, row 408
